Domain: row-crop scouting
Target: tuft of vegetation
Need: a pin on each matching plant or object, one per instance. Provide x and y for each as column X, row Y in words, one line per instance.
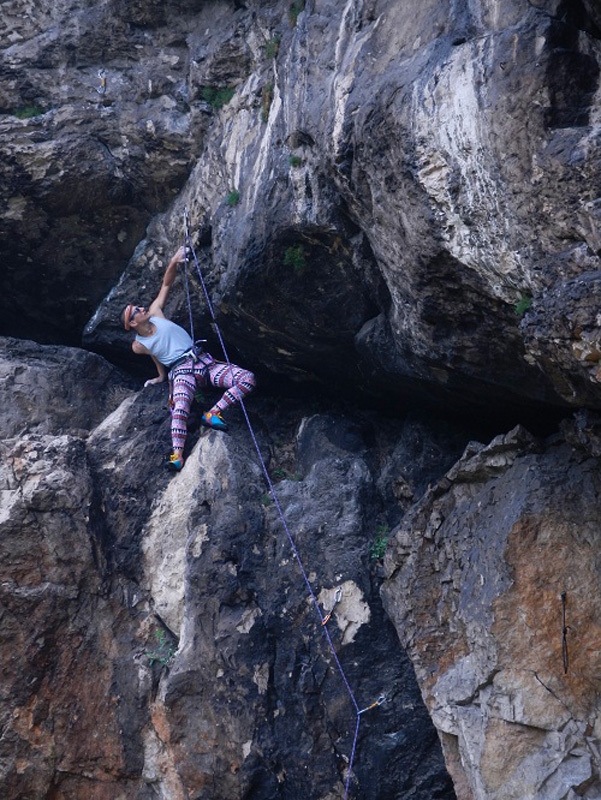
column 163, row 651
column 380, row 543
column 217, row 96
column 281, row 474
column 295, row 257
column 233, row 198
column 522, row 305
column 272, row 47
column 27, row 112
column 266, row 100
column 295, row 161
column 295, row 9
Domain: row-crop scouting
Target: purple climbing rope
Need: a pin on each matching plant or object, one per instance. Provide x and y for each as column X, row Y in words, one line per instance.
column 188, row 245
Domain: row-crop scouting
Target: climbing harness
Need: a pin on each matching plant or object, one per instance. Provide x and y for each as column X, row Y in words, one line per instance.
column 182, row 360
column 324, row 619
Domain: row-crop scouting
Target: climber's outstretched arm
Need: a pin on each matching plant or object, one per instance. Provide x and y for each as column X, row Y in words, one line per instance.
column 157, row 305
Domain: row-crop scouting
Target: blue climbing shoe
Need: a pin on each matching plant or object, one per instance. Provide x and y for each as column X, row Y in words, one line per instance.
column 213, row 420
column 174, row 463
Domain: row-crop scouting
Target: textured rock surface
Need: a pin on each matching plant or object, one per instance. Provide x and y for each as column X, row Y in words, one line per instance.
column 60, row 709
column 62, row 720
column 400, row 201
column 55, row 389
column 492, row 585
column 158, row 637
column 430, row 171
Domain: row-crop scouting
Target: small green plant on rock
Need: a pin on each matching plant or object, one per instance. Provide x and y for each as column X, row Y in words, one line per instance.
column 295, row 9
column 380, row 543
column 295, row 161
column 233, row 198
column 217, row 96
column 27, row 112
column 163, row 651
column 281, row 474
column 272, row 47
column 295, row 257
column 523, row 305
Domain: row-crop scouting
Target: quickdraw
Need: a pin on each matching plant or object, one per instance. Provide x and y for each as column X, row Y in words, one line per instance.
column 337, row 599
column 381, row 699
column 102, row 88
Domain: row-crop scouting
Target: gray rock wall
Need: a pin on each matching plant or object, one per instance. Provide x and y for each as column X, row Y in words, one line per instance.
column 399, row 204
column 433, row 171
column 491, row 581
column 158, row 636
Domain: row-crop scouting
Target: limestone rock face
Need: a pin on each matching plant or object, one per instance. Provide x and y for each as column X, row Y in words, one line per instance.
column 62, row 718
column 60, row 708
column 401, row 199
column 159, row 635
column 55, row 389
column 491, row 583
column 398, row 201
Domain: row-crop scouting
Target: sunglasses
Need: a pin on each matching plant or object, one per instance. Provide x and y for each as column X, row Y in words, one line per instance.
column 135, row 311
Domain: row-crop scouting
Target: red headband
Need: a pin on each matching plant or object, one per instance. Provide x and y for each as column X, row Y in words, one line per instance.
column 127, row 316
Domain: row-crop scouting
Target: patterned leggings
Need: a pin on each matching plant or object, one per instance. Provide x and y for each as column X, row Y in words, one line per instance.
column 184, row 380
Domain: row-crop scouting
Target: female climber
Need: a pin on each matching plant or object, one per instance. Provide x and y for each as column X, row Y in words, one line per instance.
column 176, row 358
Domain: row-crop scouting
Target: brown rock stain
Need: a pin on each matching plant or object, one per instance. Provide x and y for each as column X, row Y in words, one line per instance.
column 506, row 746
column 549, row 557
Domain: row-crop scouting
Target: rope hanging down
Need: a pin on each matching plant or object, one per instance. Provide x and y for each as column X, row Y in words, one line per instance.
column 190, row 252
column 186, row 281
